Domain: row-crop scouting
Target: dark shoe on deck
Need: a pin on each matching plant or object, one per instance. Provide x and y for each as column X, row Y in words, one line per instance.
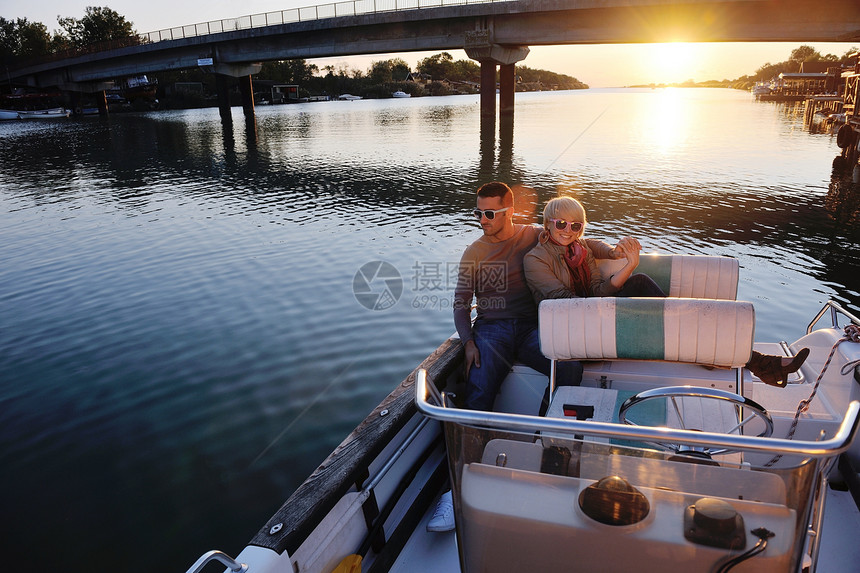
column 771, row 370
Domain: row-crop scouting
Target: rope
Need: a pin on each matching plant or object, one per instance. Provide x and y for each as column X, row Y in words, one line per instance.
column 852, row 334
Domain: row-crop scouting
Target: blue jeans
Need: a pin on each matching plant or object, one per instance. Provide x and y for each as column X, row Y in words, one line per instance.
column 502, row 342
column 640, row 285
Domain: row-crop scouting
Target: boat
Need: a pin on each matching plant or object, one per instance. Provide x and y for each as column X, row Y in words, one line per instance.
column 9, row 114
column 348, row 97
column 400, row 94
column 52, row 113
column 138, row 87
column 670, row 455
column 762, row 88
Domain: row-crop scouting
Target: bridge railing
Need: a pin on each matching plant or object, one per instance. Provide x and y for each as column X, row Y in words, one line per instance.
column 308, row 13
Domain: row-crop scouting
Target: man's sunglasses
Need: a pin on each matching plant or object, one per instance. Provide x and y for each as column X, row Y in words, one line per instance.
column 561, row 225
column 490, row 214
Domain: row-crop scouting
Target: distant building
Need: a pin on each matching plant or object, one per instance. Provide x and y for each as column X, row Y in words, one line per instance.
column 801, row 83
column 417, row 77
column 283, row 93
column 814, row 67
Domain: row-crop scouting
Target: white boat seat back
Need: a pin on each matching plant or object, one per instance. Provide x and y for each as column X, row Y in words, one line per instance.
column 685, row 276
column 696, row 331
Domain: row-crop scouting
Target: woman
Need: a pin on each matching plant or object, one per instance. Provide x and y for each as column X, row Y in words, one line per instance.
column 562, row 265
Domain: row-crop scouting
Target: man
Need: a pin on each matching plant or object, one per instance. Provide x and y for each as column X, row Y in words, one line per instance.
column 506, row 327
column 505, row 330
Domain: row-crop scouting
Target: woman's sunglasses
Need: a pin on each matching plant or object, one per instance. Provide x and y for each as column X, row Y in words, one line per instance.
column 490, row 214
column 561, row 225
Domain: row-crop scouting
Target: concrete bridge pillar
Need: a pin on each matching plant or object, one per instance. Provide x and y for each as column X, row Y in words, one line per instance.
column 488, row 89
column 507, row 85
column 243, row 72
column 479, row 46
column 101, row 102
column 222, row 89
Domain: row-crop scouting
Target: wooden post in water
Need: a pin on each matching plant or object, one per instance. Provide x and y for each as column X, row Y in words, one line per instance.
column 246, row 88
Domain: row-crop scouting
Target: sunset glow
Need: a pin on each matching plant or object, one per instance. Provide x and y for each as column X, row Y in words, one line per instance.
column 674, row 59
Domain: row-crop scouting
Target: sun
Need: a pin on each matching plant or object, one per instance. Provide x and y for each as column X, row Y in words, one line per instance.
column 672, row 61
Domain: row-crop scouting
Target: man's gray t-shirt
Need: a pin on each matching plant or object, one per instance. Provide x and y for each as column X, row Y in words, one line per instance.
column 493, row 273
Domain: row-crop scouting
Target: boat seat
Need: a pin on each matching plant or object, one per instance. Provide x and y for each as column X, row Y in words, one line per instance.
column 696, row 331
column 685, row 276
column 714, row 333
column 680, row 276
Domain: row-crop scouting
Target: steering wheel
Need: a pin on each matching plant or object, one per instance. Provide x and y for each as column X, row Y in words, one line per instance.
column 673, row 392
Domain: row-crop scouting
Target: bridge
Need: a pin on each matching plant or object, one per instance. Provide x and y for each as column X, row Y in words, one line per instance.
column 495, row 33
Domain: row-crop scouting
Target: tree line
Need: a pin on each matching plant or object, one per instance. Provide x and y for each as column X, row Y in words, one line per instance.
column 798, row 57
column 22, row 40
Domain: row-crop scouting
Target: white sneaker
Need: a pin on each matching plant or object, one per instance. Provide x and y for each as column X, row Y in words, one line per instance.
column 443, row 517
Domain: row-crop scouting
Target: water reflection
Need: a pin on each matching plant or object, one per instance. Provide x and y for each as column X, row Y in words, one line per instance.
column 843, row 195
column 177, row 293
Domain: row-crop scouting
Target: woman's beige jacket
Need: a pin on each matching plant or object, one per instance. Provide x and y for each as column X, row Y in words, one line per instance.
column 548, row 275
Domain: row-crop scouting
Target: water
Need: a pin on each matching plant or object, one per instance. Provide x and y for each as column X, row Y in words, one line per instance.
column 180, row 344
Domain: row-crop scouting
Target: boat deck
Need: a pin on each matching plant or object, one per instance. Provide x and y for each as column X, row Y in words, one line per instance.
column 428, row 552
column 435, row 552
column 839, row 548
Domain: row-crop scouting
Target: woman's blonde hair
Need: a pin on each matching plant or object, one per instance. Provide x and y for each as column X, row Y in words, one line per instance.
column 566, row 208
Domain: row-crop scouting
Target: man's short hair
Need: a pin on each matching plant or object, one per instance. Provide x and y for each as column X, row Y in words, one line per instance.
column 495, row 189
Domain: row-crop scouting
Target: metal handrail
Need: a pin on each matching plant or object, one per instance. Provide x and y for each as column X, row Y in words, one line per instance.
column 303, row 14
column 262, row 20
column 835, row 310
column 222, row 558
column 519, row 422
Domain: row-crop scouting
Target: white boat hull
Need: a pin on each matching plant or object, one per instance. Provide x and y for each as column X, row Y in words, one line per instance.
column 53, row 113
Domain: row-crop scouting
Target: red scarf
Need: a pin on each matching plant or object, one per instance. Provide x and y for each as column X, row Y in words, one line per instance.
column 577, row 261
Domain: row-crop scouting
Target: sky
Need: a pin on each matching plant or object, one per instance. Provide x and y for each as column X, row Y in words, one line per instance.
column 596, row 65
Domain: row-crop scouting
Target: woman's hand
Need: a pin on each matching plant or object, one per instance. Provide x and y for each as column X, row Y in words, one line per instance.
column 627, row 248
column 631, row 253
column 624, row 246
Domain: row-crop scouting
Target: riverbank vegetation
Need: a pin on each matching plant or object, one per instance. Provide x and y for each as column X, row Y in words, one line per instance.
column 436, row 75
column 22, row 40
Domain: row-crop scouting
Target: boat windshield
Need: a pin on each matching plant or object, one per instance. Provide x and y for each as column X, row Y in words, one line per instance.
column 543, row 500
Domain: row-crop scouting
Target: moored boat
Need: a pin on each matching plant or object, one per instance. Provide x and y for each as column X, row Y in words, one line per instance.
column 52, row 113
column 9, row 114
column 762, row 88
column 348, row 97
column 669, row 454
column 400, row 94
column 136, row 87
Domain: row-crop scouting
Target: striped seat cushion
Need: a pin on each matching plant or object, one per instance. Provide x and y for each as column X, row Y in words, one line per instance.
column 685, row 276
column 697, row 331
